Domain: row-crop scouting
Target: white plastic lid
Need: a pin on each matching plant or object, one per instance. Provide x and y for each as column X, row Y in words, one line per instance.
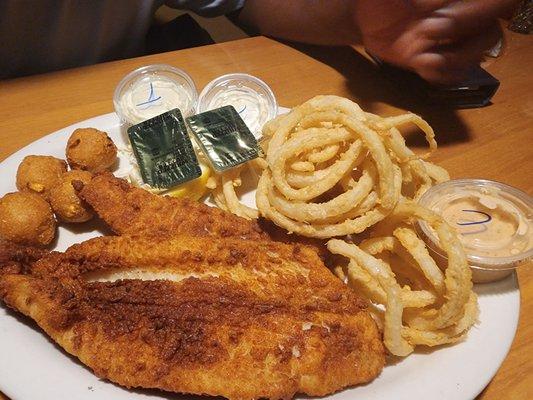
column 250, row 96
column 152, row 90
column 494, row 221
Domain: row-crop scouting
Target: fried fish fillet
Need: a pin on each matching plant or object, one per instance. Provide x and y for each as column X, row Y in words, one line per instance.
column 194, row 300
column 130, row 210
column 244, row 319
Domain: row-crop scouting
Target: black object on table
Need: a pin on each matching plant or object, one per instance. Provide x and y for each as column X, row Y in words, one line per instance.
column 475, row 91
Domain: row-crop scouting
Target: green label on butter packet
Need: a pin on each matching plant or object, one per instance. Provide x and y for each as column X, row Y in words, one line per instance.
column 164, row 150
column 224, row 137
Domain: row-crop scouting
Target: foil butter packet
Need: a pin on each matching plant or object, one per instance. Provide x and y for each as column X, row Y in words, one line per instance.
column 164, row 150
column 224, row 137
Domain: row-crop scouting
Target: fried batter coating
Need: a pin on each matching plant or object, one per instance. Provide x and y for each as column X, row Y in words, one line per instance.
column 243, row 319
column 64, row 200
column 39, row 174
column 18, row 259
column 196, row 300
column 26, row 218
column 131, row 211
column 91, row 150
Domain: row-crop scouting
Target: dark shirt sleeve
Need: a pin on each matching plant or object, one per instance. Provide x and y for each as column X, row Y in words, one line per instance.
column 207, row 8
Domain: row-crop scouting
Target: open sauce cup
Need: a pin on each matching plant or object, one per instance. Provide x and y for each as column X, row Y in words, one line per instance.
column 153, row 90
column 250, row 96
column 494, row 222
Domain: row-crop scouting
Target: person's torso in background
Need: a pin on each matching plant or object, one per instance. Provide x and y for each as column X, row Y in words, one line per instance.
column 45, row 35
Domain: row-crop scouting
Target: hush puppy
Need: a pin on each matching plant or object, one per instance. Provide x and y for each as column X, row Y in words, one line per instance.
column 26, row 218
column 39, row 174
column 91, row 150
column 64, row 200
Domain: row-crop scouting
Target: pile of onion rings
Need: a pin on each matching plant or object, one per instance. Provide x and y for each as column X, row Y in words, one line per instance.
column 422, row 303
column 332, row 170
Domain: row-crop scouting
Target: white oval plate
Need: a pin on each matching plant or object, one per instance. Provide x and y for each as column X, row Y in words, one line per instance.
column 33, row 367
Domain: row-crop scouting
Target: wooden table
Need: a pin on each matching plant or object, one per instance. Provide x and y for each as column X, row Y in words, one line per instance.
column 495, row 142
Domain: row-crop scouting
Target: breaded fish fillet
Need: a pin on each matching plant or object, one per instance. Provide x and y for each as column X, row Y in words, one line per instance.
column 130, row 210
column 243, row 319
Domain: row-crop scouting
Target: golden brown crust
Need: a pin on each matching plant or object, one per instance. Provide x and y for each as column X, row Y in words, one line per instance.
column 26, row 218
column 39, row 174
column 130, row 210
column 91, row 150
column 238, row 318
column 18, row 259
column 64, row 198
column 196, row 300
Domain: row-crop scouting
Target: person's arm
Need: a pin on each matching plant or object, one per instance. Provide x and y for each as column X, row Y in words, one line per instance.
column 309, row 21
column 439, row 39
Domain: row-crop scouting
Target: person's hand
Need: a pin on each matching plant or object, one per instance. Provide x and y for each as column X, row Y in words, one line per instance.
column 441, row 40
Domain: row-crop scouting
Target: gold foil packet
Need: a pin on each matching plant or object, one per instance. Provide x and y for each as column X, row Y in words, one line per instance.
column 164, row 150
column 224, row 137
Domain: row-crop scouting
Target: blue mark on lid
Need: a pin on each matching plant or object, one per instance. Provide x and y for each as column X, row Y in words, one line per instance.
column 488, row 218
column 240, row 112
column 151, row 97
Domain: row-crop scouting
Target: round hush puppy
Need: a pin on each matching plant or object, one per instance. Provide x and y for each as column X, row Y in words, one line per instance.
column 91, row 150
column 65, row 201
column 26, row 218
column 39, row 174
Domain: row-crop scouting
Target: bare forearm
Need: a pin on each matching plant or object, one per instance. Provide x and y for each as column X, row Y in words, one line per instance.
column 327, row 22
column 441, row 40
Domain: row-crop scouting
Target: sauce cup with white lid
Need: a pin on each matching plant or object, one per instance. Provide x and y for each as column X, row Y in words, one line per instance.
column 250, row 96
column 494, row 222
column 153, row 90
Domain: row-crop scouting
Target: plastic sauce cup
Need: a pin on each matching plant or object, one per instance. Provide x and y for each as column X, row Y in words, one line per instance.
column 494, row 222
column 153, row 90
column 250, row 96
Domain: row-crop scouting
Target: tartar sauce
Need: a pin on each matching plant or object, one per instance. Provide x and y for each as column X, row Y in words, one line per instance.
column 251, row 97
column 152, row 96
column 251, row 106
column 153, row 90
